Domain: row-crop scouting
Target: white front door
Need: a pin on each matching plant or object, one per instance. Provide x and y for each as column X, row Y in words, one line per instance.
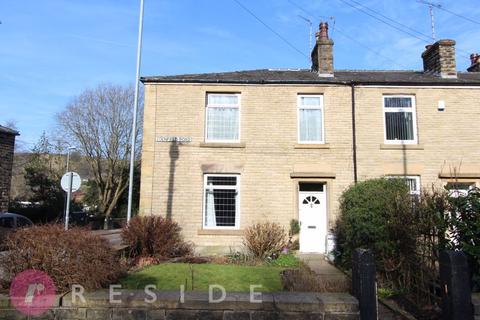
column 313, row 221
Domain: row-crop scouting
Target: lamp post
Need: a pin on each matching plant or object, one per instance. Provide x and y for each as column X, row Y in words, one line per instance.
column 69, row 149
column 135, row 109
column 69, row 193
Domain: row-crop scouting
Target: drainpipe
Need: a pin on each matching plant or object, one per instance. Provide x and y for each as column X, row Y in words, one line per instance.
column 354, row 135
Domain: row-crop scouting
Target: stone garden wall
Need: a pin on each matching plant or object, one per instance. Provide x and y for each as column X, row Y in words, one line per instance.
column 195, row 305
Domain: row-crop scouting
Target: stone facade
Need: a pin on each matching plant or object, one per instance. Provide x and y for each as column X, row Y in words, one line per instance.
column 169, row 306
column 7, row 144
column 272, row 163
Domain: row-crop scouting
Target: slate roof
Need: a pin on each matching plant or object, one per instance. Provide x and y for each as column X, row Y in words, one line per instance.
column 8, row 131
column 304, row 76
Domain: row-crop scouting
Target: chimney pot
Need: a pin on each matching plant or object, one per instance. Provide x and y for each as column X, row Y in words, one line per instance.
column 322, row 53
column 439, row 59
column 475, row 63
column 323, row 31
column 473, row 58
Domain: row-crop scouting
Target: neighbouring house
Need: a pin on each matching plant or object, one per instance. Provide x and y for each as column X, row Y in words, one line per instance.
column 222, row 151
column 7, row 145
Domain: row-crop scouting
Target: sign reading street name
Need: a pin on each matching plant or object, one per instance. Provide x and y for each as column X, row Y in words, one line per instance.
column 174, row 139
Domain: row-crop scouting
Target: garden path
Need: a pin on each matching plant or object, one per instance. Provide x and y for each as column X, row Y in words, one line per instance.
column 318, row 264
column 329, row 273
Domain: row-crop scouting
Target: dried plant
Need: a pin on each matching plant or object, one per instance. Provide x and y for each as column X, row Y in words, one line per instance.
column 68, row 257
column 264, row 240
column 155, row 236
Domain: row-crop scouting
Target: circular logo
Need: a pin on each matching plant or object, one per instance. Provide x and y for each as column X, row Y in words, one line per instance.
column 32, row 292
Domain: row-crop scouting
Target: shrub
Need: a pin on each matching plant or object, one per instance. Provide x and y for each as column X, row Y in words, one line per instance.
column 294, row 227
column 376, row 214
column 264, row 240
column 155, row 236
column 68, row 257
column 464, row 224
column 293, row 241
column 406, row 234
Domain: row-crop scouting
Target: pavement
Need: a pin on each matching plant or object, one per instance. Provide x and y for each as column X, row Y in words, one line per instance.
column 113, row 237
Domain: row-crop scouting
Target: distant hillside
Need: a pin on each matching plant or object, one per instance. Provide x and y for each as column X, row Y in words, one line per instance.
column 21, row 191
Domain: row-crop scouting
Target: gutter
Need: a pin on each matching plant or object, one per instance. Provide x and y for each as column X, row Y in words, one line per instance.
column 313, row 82
column 150, row 80
column 354, row 136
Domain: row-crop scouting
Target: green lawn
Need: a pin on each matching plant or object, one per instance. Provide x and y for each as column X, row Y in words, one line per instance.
column 170, row 276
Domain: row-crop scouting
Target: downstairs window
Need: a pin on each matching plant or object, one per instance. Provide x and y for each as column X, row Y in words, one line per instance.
column 413, row 183
column 221, row 201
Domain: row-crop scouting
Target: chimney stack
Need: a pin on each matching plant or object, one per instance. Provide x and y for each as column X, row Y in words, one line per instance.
column 322, row 53
column 475, row 63
column 439, row 59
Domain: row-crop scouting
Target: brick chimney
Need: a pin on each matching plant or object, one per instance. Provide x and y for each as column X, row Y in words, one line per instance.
column 439, row 59
column 475, row 63
column 322, row 53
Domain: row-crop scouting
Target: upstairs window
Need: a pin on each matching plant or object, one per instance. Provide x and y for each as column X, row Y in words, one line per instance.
column 222, row 118
column 400, row 119
column 221, row 201
column 310, row 119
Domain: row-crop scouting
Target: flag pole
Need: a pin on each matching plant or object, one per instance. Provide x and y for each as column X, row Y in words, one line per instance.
column 135, row 110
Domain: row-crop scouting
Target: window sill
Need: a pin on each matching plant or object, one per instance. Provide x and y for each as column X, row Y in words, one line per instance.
column 222, row 144
column 220, row 232
column 312, row 146
column 392, row 146
column 454, row 176
column 317, row 175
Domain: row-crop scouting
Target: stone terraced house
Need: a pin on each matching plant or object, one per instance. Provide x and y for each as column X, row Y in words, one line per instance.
column 222, row 151
column 7, row 145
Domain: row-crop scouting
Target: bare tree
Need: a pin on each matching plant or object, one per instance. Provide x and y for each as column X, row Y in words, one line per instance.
column 99, row 122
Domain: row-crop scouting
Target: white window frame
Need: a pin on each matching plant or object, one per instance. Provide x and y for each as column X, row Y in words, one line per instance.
column 237, row 200
column 322, row 110
column 413, row 110
column 455, row 193
column 208, row 105
column 417, row 182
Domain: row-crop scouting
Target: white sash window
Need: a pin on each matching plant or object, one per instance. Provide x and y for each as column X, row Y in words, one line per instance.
column 310, row 119
column 222, row 118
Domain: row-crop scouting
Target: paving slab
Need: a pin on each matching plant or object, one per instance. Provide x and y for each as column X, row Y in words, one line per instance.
column 327, row 273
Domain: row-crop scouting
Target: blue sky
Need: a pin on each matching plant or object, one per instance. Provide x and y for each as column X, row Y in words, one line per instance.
column 53, row 49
